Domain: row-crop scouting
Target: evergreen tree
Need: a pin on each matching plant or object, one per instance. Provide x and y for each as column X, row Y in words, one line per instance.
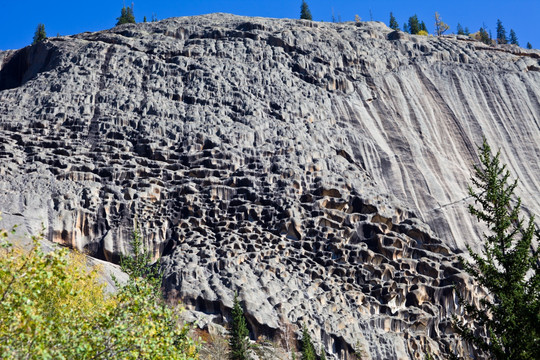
column 501, row 33
column 139, row 264
column 440, row 26
column 126, row 16
column 144, row 19
column 423, row 27
column 460, row 30
column 308, row 350
column 529, row 45
column 393, row 22
column 414, row 25
column 467, row 32
column 305, row 13
column 39, row 34
column 506, row 324
column 239, row 340
column 484, row 36
column 405, row 28
column 513, row 38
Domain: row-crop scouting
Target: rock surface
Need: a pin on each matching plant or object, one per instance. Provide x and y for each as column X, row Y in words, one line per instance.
column 319, row 169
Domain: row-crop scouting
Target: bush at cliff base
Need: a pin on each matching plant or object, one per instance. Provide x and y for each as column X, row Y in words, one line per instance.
column 52, row 306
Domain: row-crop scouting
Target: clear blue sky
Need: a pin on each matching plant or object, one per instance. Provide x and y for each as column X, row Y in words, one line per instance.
column 19, row 18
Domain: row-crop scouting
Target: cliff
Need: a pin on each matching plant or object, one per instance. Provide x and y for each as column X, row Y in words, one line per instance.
column 318, row 169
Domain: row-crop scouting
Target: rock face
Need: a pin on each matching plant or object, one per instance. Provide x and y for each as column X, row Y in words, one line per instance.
column 318, row 169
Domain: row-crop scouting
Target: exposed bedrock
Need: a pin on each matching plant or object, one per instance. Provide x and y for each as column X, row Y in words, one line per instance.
column 319, row 169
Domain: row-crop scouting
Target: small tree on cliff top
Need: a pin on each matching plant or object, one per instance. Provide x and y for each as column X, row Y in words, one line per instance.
column 414, row 25
column 513, row 38
column 484, row 36
column 305, row 13
column 440, row 26
column 501, row 33
column 126, row 16
column 506, row 324
column 393, row 24
column 39, row 34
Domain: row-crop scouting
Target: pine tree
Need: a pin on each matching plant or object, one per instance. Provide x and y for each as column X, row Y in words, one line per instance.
column 460, row 30
column 239, row 340
column 484, row 36
column 308, row 350
column 144, row 19
column 126, row 16
column 423, row 27
column 501, row 33
column 405, row 28
column 513, row 38
column 529, row 45
column 414, row 25
column 305, row 13
column 139, row 264
column 393, row 24
column 467, row 32
column 506, row 324
column 39, row 34
column 440, row 26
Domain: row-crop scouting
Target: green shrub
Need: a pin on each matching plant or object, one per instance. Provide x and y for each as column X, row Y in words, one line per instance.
column 52, row 306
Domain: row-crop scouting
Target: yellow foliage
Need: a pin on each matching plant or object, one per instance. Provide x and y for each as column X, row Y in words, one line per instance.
column 52, row 306
column 423, row 33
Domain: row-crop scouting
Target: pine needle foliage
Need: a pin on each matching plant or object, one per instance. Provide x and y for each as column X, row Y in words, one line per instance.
column 126, row 16
column 460, row 30
column 393, row 24
column 308, row 350
column 501, row 33
column 484, row 36
column 305, row 13
column 505, row 323
column 40, row 34
column 513, row 38
column 414, row 25
column 239, row 340
column 139, row 263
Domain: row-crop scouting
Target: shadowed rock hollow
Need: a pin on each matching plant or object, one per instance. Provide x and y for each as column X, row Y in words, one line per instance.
column 319, row 169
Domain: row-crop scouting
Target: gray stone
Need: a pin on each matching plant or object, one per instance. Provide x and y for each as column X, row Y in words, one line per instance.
column 318, row 169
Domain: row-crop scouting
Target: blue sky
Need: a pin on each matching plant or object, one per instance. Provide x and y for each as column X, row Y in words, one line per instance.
column 18, row 19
